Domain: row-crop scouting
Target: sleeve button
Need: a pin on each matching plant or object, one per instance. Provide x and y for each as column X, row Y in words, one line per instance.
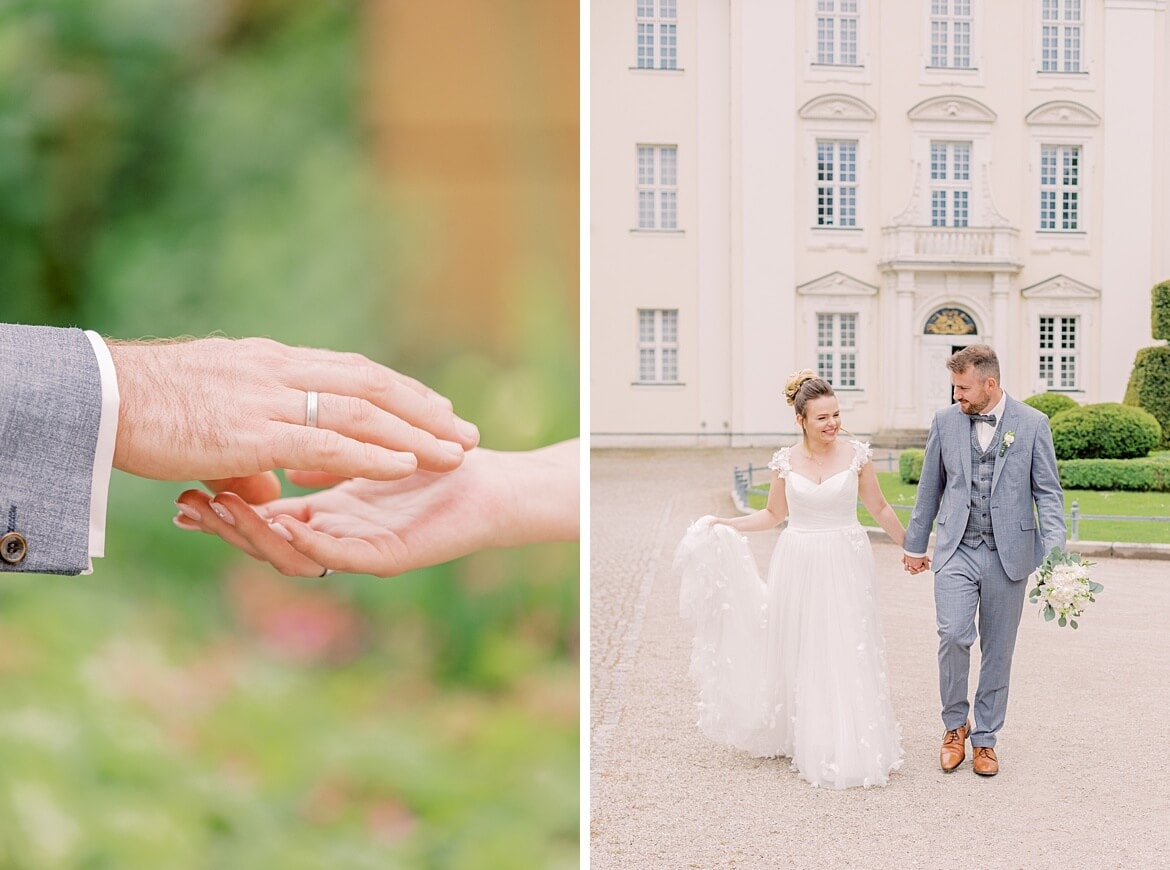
column 13, row 548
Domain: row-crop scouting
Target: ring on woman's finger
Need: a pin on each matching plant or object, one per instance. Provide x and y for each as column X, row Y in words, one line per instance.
column 311, row 409
column 326, row 572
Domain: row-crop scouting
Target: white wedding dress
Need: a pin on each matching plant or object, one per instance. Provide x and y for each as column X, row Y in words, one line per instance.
column 794, row 666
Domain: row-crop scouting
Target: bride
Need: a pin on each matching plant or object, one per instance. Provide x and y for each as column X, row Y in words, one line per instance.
column 795, row 666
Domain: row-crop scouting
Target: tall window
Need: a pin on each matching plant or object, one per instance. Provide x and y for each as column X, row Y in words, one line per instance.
column 1059, row 352
column 950, row 183
column 1060, row 187
column 657, row 187
column 837, row 32
column 950, row 33
column 657, row 34
column 658, row 345
column 836, row 183
column 1061, row 25
column 837, row 349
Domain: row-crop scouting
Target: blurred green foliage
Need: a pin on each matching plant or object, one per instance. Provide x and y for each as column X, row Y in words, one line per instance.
column 189, row 167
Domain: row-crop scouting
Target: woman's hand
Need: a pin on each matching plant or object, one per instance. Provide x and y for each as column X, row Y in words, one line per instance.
column 494, row 499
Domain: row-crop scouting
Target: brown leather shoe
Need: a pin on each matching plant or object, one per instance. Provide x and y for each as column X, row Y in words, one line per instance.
column 954, row 747
column 985, row 762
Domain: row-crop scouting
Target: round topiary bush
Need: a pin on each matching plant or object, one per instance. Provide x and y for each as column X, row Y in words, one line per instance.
column 1051, row 404
column 1106, row 431
column 1149, row 386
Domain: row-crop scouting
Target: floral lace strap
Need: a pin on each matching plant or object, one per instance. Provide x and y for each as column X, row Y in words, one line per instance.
column 861, row 455
column 781, row 461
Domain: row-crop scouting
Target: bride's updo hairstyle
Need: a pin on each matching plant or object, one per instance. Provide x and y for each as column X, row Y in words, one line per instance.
column 804, row 386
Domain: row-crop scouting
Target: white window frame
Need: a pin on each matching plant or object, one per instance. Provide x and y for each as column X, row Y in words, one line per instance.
column 838, row 27
column 658, row 187
column 1058, row 54
column 1059, row 189
column 954, row 186
column 659, row 344
column 946, row 18
column 836, row 350
column 1081, row 79
column 837, row 293
column 1078, row 240
column 1058, row 356
column 840, row 185
column 854, row 238
column 816, row 70
column 656, row 35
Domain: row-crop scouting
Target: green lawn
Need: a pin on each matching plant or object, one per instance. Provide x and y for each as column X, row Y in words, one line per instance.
column 1089, row 502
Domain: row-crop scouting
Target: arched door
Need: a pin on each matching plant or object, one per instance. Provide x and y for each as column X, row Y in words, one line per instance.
column 945, row 331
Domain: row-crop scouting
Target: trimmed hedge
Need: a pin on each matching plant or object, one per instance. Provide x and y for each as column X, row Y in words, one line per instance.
column 1051, row 404
column 1160, row 311
column 910, row 465
column 1149, row 384
column 1108, row 430
column 1137, row 475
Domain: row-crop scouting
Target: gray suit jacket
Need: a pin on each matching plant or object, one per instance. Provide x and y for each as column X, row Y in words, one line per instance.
column 50, row 410
column 1025, row 489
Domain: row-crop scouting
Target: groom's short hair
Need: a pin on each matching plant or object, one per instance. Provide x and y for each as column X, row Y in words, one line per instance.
column 980, row 356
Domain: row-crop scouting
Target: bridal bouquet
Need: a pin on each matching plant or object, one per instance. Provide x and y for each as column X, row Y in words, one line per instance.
column 1063, row 587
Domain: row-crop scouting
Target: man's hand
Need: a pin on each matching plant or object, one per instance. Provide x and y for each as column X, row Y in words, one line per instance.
column 916, row 564
column 218, row 408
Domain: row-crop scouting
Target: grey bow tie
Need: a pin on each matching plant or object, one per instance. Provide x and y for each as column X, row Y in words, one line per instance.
column 989, row 419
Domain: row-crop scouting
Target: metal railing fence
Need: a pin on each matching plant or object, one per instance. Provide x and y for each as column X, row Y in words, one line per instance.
column 744, row 482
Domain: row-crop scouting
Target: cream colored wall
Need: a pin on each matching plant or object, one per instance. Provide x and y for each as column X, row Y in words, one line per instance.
column 737, row 343
column 637, row 269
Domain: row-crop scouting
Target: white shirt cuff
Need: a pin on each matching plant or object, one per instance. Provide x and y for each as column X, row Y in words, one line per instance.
column 914, row 555
column 103, row 460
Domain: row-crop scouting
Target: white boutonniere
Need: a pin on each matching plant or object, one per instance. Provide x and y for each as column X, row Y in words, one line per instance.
column 1009, row 438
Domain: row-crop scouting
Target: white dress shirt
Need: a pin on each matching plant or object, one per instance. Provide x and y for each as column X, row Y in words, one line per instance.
column 103, row 460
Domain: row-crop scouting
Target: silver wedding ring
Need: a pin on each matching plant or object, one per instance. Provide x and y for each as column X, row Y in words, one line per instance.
column 326, row 572
column 311, row 409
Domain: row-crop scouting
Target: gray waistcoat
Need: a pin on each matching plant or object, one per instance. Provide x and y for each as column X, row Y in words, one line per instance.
column 982, row 470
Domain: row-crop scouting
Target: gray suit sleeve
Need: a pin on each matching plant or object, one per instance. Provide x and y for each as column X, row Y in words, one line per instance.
column 1047, row 491
column 929, row 495
column 50, row 412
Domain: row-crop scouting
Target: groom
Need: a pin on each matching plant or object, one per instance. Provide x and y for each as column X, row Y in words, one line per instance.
column 990, row 478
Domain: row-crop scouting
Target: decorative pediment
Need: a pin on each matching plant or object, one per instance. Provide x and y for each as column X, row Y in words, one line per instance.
column 1060, row 287
column 1063, row 113
column 837, row 107
column 951, row 108
column 836, row 284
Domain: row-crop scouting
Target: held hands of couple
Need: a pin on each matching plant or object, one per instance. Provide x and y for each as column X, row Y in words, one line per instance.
column 230, row 411
column 915, row 564
column 494, row 499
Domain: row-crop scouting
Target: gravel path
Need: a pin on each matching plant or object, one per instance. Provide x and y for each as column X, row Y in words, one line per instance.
column 1082, row 784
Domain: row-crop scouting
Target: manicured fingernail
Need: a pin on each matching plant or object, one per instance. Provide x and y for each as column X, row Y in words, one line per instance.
column 223, row 513
column 451, row 447
column 183, row 523
column 468, row 430
column 280, row 530
column 189, row 512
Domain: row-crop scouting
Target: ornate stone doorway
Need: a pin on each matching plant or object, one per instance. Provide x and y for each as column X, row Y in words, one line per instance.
column 947, row 329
